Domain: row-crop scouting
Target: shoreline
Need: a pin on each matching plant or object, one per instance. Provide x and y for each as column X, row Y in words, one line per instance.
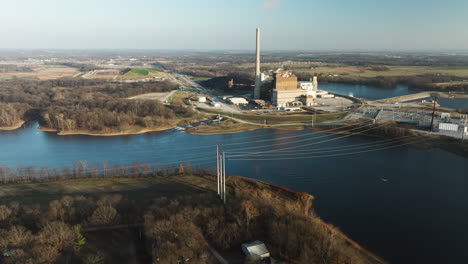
column 104, row 134
column 18, row 124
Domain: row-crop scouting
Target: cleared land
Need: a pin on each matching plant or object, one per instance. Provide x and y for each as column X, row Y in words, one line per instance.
column 270, row 119
column 133, row 74
column 153, row 96
column 55, row 72
column 132, row 188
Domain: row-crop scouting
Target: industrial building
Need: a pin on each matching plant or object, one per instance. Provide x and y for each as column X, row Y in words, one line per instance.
column 287, row 92
column 283, row 89
column 237, row 101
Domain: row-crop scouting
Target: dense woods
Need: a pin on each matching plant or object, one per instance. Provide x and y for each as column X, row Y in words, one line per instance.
column 92, row 105
column 177, row 229
column 11, row 113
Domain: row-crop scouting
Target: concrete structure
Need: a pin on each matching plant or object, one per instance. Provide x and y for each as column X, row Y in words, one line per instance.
column 315, row 83
column 324, row 94
column 256, row 249
column 289, row 93
column 258, row 82
column 238, row 101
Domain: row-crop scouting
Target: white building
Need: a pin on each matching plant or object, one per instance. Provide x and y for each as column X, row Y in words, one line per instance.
column 238, row 101
column 215, row 104
column 256, row 249
column 202, row 99
column 448, row 127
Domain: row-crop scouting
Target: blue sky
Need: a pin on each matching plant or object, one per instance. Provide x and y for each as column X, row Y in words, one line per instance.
column 230, row 24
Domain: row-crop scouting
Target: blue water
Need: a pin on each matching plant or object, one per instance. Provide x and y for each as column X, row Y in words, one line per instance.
column 366, row 91
column 418, row 215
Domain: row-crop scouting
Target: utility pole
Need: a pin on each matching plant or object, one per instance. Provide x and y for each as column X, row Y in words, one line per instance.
column 433, row 113
column 218, row 168
column 224, row 177
column 221, row 172
column 464, row 131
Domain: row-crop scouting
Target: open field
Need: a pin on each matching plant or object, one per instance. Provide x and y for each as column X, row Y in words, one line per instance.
column 354, row 71
column 141, row 71
column 54, row 72
column 270, row 119
column 153, row 96
column 228, row 126
column 132, row 188
column 133, row 74
column 444, row 84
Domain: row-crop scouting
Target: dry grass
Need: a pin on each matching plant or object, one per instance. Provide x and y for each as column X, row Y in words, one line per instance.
column 133, row 188
column 42, row 73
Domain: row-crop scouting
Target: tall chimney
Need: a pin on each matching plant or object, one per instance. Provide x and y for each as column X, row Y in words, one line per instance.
column 258, row 82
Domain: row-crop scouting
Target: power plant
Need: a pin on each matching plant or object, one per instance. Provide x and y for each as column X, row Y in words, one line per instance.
column 283, row 89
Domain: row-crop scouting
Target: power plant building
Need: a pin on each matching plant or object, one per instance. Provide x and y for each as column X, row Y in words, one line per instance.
column 288, row 92
column 283, row 89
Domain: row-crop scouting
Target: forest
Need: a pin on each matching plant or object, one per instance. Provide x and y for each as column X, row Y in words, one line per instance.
column 172, row 229
column 90, row 105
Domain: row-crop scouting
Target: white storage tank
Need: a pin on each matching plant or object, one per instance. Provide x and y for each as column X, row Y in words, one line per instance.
column 448, row 127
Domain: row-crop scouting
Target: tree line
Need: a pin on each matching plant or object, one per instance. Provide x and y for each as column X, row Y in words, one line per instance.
column 85, row 170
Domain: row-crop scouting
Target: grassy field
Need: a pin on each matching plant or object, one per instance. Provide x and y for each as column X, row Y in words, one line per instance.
column 283, row 119
column 354, row 71
column 140, row 71
column 228, row 126
column 132, row 188
column 279, row 119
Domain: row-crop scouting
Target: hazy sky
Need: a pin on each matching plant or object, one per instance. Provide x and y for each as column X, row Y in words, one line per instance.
column 230, row 24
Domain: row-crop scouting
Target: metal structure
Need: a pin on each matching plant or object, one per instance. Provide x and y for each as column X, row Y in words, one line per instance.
column 221, row 172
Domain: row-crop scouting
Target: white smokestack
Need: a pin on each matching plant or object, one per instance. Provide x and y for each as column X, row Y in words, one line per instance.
column 258, row 81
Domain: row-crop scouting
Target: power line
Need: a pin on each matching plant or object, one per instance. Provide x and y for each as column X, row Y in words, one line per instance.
column 331, row 148
column 334, row 155
column 311, row 133
column 314, row 143
column 295, row 153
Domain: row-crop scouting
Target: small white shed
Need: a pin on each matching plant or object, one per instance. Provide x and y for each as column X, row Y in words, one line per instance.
column 215, row 104
column 257, row 249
